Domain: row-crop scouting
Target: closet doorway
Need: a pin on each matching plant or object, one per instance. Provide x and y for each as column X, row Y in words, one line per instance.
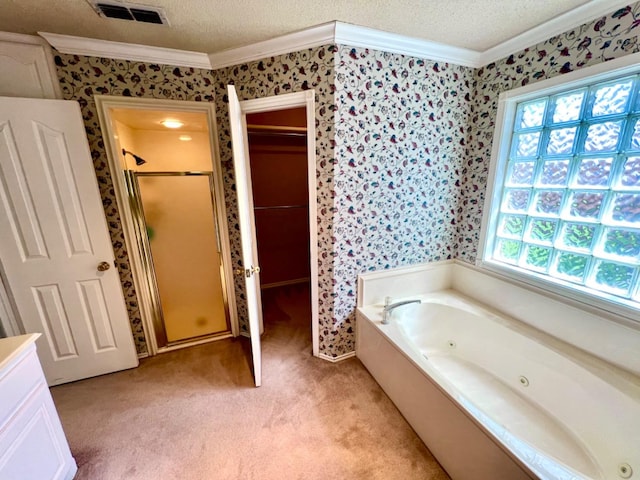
column 163, row 156
column 278, row 160
column 275, row 141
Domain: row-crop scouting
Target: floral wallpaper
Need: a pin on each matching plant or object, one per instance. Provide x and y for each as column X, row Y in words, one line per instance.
column 612, row 36
column 401, row 128
column 294, row 72
column 403, row 146
column 83, row 77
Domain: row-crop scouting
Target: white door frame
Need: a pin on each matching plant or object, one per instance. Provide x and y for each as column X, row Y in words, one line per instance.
column 104, row 103
column 282, row 102
column 8, row 318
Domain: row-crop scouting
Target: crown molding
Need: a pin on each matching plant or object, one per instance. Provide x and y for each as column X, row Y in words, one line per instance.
column 126, row 51
column 22, row 38
column 335, row 33
column 560, row 24
column 309, row 38
column 357, row 36
column 344, row 34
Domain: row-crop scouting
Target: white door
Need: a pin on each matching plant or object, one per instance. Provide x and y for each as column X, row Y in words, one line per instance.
column 247, row 227
column 54, row 243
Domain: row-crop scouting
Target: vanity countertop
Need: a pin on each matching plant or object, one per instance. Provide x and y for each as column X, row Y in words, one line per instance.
column 11, row 347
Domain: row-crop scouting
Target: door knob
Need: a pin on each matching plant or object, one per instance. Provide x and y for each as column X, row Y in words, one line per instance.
column 103, row 266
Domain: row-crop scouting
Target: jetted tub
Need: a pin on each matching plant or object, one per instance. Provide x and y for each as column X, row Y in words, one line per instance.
column 494, row 398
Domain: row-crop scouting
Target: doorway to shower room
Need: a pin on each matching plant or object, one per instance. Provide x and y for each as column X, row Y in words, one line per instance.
column 166, row 159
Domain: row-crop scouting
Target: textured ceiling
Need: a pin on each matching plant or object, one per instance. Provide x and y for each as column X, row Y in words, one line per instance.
column 210, row 26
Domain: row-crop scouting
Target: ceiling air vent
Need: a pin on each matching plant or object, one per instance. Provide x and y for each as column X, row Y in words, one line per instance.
column 130, row 11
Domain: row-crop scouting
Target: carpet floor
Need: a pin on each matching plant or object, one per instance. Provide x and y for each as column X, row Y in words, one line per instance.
column 195, row 414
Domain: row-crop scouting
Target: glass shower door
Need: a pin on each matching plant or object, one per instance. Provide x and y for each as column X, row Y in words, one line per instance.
column 177, row 226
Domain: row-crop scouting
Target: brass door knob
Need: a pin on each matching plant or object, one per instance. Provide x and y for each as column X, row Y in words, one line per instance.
column 103, row 266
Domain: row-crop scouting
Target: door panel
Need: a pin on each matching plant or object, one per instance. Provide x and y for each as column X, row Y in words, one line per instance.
column 62, row 189
column 247, row 228
column 97, row 315
column 17, row 200
column 50, row 307
column 53, row 235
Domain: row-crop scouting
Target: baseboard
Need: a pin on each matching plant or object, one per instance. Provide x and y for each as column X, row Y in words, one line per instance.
column 323, row 356
column 337, row 359
column 143, row 355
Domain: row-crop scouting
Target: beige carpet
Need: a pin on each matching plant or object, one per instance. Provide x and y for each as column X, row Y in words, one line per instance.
column 194, row 414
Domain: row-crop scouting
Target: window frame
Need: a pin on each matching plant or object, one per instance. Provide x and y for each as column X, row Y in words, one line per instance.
column 497, row 174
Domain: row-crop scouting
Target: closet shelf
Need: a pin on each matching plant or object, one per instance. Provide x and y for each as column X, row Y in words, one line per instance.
column 277, row 207
column 253, row 129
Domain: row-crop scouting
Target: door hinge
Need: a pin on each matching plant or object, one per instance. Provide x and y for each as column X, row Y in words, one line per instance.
column 247, row 272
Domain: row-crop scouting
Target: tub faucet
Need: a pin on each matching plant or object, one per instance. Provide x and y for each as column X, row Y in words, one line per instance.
column 388, row 306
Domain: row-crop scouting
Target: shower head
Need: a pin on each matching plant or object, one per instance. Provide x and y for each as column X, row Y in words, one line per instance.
column 139, row 160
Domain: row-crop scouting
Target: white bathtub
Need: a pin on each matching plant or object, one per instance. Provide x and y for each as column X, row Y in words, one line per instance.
column 494, row 398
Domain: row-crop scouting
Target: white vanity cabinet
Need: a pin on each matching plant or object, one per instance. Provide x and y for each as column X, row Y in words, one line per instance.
column 32, row 443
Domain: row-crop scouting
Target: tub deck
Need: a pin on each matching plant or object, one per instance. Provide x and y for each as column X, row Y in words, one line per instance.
column 519, row 406
column 527, row 423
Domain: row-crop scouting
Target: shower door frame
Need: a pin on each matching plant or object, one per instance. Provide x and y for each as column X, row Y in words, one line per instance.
column 146, row 256
column 104, row 104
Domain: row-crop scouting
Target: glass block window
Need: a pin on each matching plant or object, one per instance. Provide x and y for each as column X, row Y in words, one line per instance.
column 569, row 195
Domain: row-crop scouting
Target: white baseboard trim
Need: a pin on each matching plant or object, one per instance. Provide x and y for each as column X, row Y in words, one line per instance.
column 337, row 359
column 143, row 355
column 323, row 356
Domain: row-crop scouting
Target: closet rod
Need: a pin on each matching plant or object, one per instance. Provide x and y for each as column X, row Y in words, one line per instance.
column 276, row 207
column 277, row 134
column 277, row 130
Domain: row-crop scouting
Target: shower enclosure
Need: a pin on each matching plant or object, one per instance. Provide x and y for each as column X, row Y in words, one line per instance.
column 167, row 179
column 181, row 251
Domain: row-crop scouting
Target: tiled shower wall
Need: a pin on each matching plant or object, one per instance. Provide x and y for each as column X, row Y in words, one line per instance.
column 405, row 181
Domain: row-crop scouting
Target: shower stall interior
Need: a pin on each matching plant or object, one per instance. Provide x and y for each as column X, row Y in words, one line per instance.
column 170, row 187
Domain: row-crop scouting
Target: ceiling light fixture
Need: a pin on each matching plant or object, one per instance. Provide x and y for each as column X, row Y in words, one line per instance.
column 185, row 138
column 170, row 123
